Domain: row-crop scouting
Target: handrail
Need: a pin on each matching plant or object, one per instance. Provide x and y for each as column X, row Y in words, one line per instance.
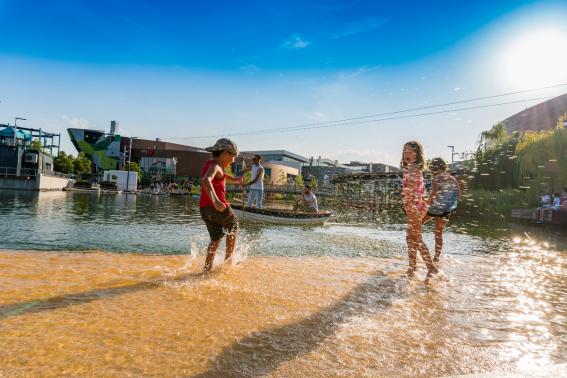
column 28, row 172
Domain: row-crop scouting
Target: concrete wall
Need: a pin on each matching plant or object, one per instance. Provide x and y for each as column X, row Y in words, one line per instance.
column 18, row 184
column 41, row 182
column 52, row 182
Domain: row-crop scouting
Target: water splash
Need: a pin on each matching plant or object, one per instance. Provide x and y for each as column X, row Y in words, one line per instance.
column 198, row 251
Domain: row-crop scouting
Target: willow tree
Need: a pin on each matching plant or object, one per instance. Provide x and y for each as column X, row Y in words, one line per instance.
column 542, row 158
column 496, row 166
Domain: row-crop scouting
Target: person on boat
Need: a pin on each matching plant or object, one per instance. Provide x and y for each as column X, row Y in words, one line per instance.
column 213, row 205
column 307, row 202
column 445, row 193
column 256, row 193
column 413, row 191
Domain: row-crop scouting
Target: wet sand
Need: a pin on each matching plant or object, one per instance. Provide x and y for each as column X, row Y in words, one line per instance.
column 109, row 314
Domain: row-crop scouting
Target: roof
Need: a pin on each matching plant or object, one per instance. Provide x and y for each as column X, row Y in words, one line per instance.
column 8, row 132
column 543, row 116
column 280, row 152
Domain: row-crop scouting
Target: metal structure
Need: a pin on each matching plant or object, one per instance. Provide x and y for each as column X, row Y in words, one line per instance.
column 47, row 140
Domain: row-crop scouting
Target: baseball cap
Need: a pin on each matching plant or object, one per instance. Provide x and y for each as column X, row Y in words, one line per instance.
column 224, row 144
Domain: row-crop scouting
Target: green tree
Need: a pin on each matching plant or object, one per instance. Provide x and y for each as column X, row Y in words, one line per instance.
column 490, row 138
column 63, row 163
column 36, row 145
column 134, row 167
column 82, row 164
column 313, row 182
column 299, row 181
column 282, row 180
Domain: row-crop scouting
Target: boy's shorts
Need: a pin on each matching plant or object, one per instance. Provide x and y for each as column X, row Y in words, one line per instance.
column 217, row 222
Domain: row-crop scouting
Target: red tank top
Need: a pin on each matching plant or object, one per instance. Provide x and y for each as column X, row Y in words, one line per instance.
column 218, row 187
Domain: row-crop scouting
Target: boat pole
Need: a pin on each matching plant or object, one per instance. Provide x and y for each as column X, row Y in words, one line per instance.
column 242, row 186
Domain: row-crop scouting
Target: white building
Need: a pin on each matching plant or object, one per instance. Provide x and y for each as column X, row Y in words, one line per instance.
column 124, row 180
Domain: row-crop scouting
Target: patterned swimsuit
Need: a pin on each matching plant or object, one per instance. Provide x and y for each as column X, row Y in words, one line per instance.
column 413, row 201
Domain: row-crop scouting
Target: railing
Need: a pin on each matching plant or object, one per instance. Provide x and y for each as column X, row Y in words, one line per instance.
column 25, row 173
column 52, row 173
column 11, row 172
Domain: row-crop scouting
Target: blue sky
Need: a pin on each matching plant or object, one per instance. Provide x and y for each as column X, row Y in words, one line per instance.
column 187, row 69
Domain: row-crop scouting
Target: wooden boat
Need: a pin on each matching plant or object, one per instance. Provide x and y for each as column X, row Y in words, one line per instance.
column 268, row 215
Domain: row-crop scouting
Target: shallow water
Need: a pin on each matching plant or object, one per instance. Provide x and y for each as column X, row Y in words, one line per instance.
column 322, row 301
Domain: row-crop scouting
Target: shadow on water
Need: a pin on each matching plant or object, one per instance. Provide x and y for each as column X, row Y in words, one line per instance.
column 61, row 301
column 262, row 352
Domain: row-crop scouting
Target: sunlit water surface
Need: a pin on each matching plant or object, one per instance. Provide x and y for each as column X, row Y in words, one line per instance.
column 317, row 301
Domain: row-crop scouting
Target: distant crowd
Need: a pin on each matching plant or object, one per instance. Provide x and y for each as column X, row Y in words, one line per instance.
column 172, row 186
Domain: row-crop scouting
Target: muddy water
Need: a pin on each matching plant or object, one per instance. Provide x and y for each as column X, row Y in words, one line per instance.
column 315, row 301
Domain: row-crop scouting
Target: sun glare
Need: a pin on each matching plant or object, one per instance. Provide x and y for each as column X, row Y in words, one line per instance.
column 535, row 59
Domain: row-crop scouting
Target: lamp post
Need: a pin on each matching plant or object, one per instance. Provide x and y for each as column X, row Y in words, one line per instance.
column 452, row 154
column 129, row 161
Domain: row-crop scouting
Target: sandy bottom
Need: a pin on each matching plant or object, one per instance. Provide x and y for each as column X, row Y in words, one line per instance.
column 109, row 314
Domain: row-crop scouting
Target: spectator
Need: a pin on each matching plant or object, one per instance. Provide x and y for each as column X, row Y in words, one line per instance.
column 556, row 205
column 545, row 200
column 564, row 195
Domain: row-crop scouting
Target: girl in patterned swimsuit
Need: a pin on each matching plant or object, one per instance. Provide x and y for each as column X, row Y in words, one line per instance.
column 415, row 206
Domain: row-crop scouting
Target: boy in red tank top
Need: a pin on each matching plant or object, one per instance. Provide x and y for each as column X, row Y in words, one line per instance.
column 213, row 206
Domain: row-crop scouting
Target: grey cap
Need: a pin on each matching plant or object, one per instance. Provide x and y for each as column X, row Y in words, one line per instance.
column 224, row 144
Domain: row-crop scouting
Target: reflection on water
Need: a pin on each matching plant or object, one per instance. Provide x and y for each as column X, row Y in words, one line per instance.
column 318, row 301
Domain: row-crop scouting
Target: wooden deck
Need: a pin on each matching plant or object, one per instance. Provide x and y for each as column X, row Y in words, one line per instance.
column 548, row 216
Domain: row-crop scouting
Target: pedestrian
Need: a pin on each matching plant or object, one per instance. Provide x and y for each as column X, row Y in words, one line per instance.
column 256, row 184
column 213, row 205
column 413, row 191
column 445, row 193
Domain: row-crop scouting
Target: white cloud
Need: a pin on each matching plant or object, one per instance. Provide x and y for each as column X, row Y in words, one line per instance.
column 295, row 42
column 249, row 68
column 78, row 123
column 359, row 71
column 358, row 27
column 457, row 89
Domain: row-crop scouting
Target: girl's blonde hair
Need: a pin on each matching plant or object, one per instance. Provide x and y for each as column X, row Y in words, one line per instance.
column 419, row 155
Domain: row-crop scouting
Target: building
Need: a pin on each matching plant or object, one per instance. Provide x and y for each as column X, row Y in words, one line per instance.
column 158, row 160
column 26, row 160
column 359, row 166
column 280, row 166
